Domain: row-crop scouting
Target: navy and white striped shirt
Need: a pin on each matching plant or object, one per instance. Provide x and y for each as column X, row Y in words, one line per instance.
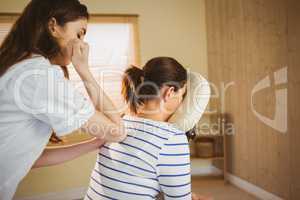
column 153, row 158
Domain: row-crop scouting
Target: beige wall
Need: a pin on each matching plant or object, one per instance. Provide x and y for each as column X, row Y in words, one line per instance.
column 167, row 28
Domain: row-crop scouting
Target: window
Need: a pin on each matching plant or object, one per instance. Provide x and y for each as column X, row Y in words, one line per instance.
column 114, row 46
column 6, row 22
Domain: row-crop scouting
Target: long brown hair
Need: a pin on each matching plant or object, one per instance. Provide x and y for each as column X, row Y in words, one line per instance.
column 141, row 85
column 30, row 33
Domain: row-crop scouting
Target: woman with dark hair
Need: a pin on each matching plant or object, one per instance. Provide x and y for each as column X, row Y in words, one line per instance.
column 36, row 98
column 155, row 154
column 155, row 157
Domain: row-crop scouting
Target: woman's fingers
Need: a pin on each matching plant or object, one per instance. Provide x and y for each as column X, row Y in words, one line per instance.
column 76, row 48
column 97, row 142
column 70, row 49
column 85, row 48
column 80, row 48
column 80, row 54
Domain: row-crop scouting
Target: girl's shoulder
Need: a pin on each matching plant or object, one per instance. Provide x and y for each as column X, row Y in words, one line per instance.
column 163, row 129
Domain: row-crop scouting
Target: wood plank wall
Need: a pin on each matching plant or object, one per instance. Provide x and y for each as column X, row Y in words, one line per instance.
column 294, row 94
column 249, row 40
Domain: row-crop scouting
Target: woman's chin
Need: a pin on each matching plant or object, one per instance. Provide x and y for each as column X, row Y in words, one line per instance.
column 65, row 62
column 68, row 63
column 61, row 60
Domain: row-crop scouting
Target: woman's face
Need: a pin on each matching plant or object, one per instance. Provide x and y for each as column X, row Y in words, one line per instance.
column 65, row 35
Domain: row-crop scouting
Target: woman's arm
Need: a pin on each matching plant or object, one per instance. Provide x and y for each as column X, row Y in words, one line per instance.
column 60, row 155
column 106, row 123
column 99, row 98
column 103, row 124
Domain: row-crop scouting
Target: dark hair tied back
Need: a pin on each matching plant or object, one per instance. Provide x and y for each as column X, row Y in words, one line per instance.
column 132, row 79
column 140, row 85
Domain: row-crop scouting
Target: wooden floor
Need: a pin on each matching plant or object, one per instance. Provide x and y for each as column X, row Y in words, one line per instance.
column 216, row 188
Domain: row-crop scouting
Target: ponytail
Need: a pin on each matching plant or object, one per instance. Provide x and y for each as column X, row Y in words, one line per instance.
column 132, row 79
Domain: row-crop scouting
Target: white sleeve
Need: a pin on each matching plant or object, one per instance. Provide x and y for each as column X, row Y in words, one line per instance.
column 194, row 104
column 174, row 169
column 59, row 104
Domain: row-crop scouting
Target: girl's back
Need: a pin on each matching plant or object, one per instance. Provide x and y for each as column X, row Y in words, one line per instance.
column 154, row 157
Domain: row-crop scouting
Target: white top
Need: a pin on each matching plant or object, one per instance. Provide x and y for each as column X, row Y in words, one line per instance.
column 194, row 103
column 153, row 158
column 35, row 99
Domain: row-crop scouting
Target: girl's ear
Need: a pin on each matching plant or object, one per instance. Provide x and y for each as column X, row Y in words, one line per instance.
column 194, row 104
column 168, row 93
column 53, row 28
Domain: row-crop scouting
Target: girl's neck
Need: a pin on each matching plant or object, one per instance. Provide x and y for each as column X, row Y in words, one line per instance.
column 155, row 117
column 153, row 112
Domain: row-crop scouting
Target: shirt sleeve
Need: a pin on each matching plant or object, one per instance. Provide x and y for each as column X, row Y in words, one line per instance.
column 174, row 169
column 57, row 103
column 194, row 104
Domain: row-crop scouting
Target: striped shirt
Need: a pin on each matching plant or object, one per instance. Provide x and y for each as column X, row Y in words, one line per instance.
column 153, row 158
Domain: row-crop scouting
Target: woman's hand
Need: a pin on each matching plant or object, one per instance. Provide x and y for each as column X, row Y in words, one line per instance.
column 96, row 143
column 79, row 55
column 199, row 197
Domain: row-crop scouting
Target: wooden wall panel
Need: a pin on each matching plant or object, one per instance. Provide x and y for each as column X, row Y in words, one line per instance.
column 294, row 94
column 248, row 41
